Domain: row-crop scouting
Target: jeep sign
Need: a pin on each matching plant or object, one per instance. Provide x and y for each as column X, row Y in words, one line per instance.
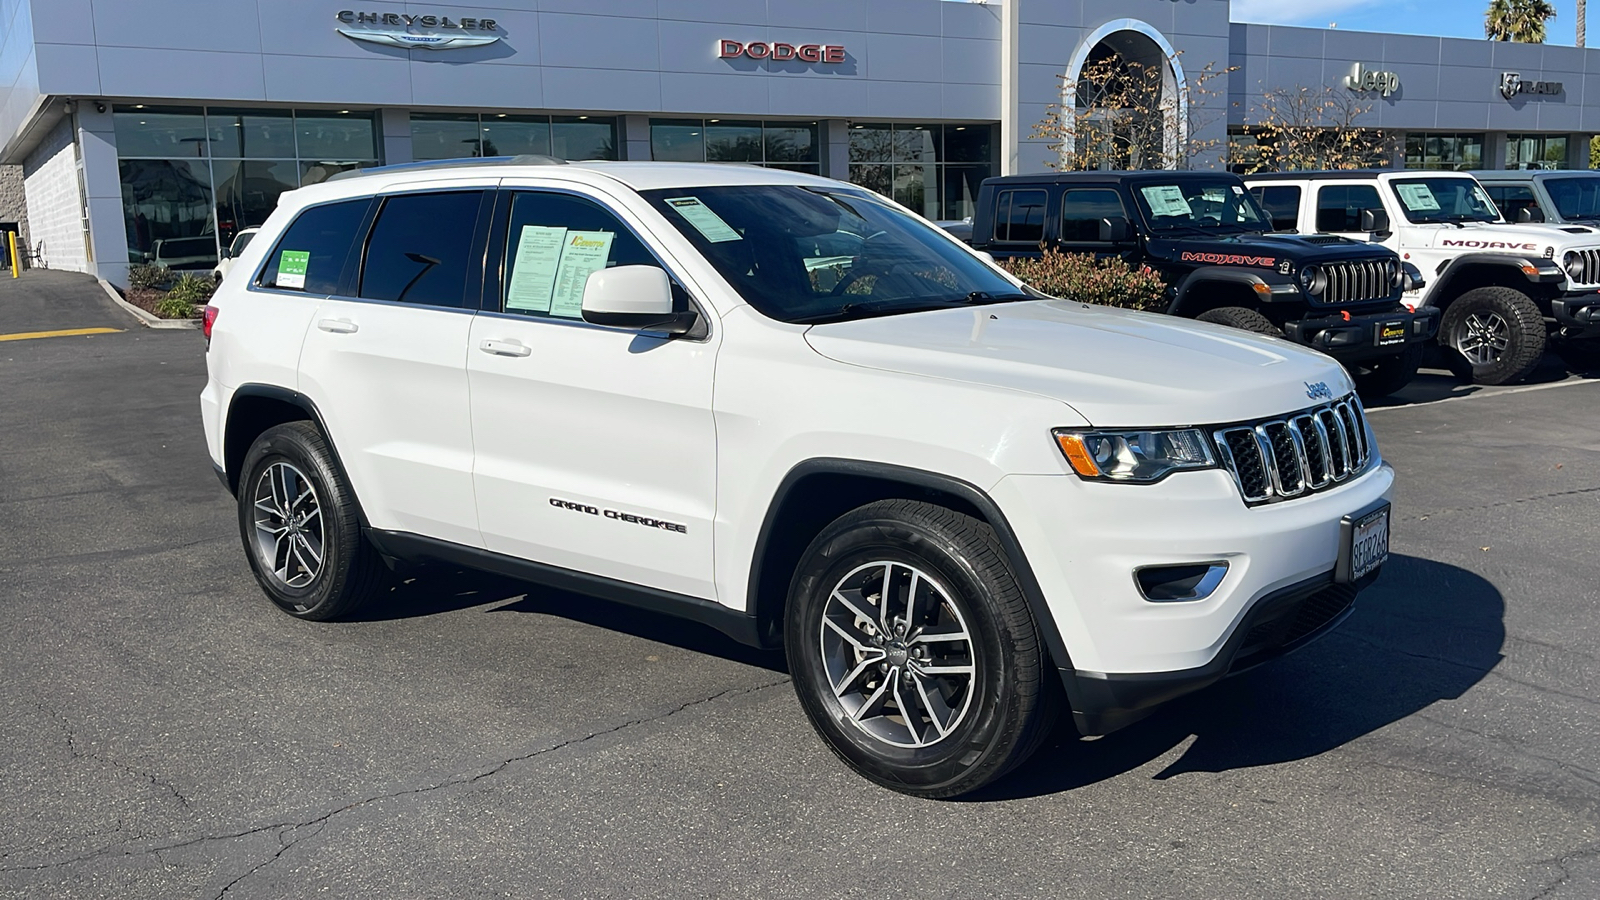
column 1359, row 79
column 831, row 54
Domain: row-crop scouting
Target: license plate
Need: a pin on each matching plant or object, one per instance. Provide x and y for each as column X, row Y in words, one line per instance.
column 1390, row 333
column 1366, row 544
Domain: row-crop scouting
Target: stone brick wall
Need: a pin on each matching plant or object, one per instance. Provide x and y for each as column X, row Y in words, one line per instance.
column 14, row 202
column 54, row 201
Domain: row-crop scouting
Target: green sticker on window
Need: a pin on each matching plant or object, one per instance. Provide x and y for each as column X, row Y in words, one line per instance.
column 292, row 266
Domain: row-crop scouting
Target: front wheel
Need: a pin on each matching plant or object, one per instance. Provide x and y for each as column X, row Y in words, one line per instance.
column 1381, row 377
column 301, row 533
column 913, row 651
column 1492, row 335
column 1242, row 318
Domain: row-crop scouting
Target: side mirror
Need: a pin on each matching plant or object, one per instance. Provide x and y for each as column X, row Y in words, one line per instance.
column 1374, row 221
column 1530, row 215
column 1115, row 230
column 634, row 297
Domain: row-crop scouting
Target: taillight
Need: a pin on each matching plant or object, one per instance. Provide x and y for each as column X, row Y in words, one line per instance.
column 211, row 319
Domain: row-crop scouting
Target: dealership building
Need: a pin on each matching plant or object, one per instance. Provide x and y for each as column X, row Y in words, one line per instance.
column 153, row 130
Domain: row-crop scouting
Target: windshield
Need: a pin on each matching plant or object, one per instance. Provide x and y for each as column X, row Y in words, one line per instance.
column 810, row 254
column 1575, row 198
column 1445, row 199
column 1203, row 204
column 241, row 242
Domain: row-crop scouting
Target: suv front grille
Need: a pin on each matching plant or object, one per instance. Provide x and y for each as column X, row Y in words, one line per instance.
column 1302, row 453
column 1591, row 266
column 1359, row 280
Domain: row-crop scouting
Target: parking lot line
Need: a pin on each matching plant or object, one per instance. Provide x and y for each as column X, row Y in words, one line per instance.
column 66, row 332
column 1481, row 395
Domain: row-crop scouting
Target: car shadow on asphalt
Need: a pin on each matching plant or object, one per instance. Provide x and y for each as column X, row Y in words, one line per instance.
column 1425, row 632
column 1435, row 383
column 433, row 590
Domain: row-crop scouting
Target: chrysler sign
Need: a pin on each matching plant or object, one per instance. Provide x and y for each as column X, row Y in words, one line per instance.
column 831, row 54
column 401, row 30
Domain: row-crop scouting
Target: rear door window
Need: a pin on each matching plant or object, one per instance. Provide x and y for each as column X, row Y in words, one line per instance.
column 1282, row 203
column 1019, row 217
column 1512, row 199
column 420, row 249
column 313, row 251
column 1339, row 206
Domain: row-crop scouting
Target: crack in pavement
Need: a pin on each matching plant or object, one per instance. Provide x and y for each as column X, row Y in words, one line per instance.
column 1561, row 863
column 294, row 828
column 77, row 754
column 1517, row 748
column 1494, row 672
column 1503, row 503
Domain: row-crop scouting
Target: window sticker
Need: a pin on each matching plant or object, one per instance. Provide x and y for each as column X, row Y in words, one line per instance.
column 704, row 220
column 1417, row 197
column 533, row 278
column 582, row 254
column 1166, row 200
column 292, row 266
column 1238, row 191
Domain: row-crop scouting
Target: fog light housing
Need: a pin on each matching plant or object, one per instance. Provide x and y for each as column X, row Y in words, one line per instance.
column 1180, row 583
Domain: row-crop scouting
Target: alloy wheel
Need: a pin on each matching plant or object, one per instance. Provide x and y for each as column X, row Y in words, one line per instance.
column 1483, row 337
column 898, row 654
column 289, row 533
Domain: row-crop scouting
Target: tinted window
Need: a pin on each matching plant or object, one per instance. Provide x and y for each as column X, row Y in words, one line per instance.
column 419, row 248
column 1512, row 199
column 1282, row 203
column 1081, row 212
column 1019, row 217
column 1575, row 198
column 554, row 241
column 325, row 233
column 1339, row 206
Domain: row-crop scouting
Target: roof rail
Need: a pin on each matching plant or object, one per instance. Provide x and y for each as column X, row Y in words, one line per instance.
column 526, row 159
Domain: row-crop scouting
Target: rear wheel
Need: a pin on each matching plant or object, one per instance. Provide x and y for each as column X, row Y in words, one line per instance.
column 301, row 533
column 1382, row 377
column 1492, row 335
column 1240, row 317
column 913, row 650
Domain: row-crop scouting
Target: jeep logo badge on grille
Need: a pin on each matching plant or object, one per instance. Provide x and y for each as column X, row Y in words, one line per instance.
column 1319, row 391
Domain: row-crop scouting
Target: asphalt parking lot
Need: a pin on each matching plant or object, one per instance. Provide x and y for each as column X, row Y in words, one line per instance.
column 164, row 732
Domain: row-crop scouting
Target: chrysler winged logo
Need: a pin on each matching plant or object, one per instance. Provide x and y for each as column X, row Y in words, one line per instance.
column 1318, row 390
column 441, row 32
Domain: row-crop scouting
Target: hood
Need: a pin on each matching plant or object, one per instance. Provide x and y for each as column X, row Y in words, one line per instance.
column 1281, row 252
column 1537, row 240
column 1116, row 368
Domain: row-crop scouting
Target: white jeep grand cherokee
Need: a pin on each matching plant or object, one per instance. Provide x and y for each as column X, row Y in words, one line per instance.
column 787, row 408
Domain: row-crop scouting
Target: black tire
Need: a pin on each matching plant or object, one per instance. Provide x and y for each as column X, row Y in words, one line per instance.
column 1242, row 318
column 1581, row 355
column 321, row 568
column 1492, row 335
column 992, row 718
column 1381, row 377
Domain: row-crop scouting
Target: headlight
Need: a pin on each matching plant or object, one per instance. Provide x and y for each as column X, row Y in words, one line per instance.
column 1140, row 457
column 1573, row 263
column 1397, row 274
column 1313, row 280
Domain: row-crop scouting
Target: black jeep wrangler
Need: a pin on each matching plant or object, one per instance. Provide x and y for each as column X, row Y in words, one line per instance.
column 1207, row 238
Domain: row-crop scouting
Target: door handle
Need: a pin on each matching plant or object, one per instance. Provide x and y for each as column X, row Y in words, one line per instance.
column 338, row 326
column 506, row 348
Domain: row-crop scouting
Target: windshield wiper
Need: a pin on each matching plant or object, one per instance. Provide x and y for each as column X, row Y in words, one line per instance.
column 977, row 298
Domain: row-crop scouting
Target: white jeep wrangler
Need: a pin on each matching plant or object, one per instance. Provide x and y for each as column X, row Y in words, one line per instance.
column 787, row 408
column 1506, row 290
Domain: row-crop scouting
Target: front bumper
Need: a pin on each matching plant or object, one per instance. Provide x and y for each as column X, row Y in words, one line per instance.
column 1367, row 336
column 1125, row 654
column 1577, row 310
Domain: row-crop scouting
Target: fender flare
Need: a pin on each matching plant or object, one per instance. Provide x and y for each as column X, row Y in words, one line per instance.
column 1230, row 275
column 1449, row 271
column 969, row 493
column 282, row 395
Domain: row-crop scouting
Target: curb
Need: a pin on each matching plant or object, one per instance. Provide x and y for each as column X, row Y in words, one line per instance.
column 146, row 319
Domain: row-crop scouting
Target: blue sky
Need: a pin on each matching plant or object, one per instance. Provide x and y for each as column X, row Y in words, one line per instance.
column 1444, row 18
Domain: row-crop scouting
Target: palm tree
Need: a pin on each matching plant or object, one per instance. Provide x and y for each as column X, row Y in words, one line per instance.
column 1583, row 21
column 1517, row 20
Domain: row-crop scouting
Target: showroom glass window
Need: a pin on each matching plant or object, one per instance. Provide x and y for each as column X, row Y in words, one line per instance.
column 192, row 178
column 469, row 135
column 1536, row 151
column 779, row 145
column 933, row 169
column 1446, row 152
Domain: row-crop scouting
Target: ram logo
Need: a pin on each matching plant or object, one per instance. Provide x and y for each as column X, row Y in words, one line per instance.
column 1319, row 390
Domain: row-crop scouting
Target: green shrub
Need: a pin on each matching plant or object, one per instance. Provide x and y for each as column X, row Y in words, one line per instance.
column 148, row 277
column 1082, row 277
column 172, row 307
column 192, row 289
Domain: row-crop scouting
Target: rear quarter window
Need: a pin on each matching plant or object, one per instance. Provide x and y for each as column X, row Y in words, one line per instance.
column 317, row 245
